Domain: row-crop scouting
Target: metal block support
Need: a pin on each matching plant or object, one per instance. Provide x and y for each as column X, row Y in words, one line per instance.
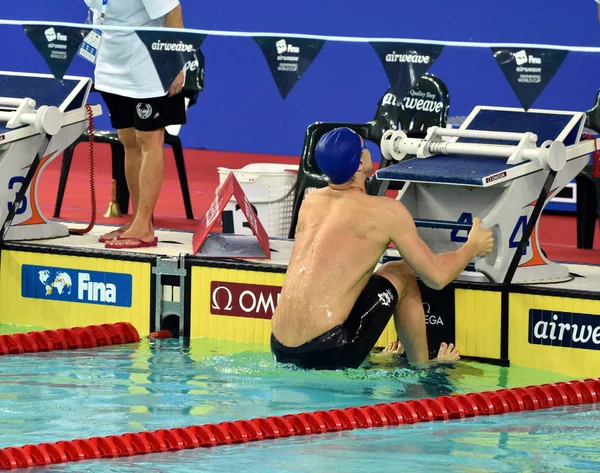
column 169, row 299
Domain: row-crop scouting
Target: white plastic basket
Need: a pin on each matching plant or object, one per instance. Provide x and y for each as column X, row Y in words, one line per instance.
column 270, row 189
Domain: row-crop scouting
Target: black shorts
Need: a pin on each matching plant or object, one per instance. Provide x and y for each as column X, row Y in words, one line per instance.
column 145, row 114
column 347, row 345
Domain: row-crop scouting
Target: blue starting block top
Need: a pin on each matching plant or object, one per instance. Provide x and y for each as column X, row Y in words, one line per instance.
column 473, row 170
column 455, row 169
column 70, row 94
column 547, row 126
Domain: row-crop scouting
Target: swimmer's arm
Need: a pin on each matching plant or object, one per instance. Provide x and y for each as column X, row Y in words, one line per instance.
column 435, row 270
column 174, row 19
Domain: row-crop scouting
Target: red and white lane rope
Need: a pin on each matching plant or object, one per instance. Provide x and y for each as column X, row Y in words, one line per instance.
column 379, row 415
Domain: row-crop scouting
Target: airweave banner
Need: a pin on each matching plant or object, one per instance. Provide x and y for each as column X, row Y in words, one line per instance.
column 564, row 329
column 58, row 45
column 194, row 72
column 288, row 59
column 405, row 64
column 171, row 51
column 528, row 71
column 428, row 100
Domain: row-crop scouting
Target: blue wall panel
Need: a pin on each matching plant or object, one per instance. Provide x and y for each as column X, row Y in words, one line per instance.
column 241, row 109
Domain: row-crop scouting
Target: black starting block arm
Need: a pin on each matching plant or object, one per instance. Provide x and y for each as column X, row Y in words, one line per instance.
column 446, row 224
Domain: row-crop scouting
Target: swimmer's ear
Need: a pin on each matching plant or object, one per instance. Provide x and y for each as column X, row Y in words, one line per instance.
column 361, row 163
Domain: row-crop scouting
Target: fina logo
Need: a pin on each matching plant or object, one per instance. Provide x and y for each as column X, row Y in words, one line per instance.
column 284, row 47
column 53, row 35
column 69, row 285
column 521, row 57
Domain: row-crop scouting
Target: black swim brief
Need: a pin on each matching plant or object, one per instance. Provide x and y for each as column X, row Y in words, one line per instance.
column 347, row 345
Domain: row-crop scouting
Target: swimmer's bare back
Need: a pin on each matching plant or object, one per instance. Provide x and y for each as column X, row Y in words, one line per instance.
column 340, row 237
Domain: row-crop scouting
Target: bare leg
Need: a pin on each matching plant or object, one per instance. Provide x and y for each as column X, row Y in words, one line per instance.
column 147, row 186
column 409, row 316
column 133, row 159
column 133, row 162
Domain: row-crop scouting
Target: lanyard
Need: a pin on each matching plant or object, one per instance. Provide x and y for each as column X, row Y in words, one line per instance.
column 102, row 13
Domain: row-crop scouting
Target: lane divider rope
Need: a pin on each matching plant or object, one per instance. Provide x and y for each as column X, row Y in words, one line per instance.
column 242, row 431
column 91, row 336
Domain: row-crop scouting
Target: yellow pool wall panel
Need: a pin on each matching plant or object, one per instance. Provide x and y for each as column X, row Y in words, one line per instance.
column 211, row 291
column 388, row 335
column 478, row 322
column 55, row 314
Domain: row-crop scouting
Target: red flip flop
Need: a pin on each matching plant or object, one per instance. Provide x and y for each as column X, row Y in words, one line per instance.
column 138, row 243
column 117, row 234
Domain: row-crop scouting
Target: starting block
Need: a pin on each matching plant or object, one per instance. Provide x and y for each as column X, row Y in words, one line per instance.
column 475, row 171
column 39, row 118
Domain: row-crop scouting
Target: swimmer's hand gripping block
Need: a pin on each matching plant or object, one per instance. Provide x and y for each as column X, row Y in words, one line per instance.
column 213, row 245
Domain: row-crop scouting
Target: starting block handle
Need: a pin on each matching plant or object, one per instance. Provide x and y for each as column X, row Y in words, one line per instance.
column 396, row 145
column 482, row 134
column 13, row 102
column 446, row 224
column 47, row 120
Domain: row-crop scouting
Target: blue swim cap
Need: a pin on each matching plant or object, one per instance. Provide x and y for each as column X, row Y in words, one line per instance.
column 338, row 154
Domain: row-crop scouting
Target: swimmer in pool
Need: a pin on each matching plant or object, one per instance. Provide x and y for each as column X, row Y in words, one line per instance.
column 333, row 306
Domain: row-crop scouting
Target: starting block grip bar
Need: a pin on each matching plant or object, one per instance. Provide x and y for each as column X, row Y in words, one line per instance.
column 447, row 224
column 26, row 118
column 551, row 155
column 13, row 102
column 476, row 149
column 46, row 119
column 482, row 134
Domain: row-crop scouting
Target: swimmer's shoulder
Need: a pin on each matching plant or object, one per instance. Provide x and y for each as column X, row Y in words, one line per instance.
column 314, row 196
column 311, row 203
column 389, row 209
column 318, row 192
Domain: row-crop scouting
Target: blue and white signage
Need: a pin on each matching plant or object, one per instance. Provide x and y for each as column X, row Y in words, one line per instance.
column 564, row 329
column 72, row 285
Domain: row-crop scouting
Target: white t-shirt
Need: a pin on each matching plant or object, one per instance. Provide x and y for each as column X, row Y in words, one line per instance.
column 124, row 66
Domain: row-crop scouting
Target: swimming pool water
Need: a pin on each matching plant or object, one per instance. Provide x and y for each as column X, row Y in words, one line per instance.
column 165, row 384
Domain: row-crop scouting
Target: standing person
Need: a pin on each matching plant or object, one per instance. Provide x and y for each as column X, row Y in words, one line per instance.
column 333, row 307
column 138, row 105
